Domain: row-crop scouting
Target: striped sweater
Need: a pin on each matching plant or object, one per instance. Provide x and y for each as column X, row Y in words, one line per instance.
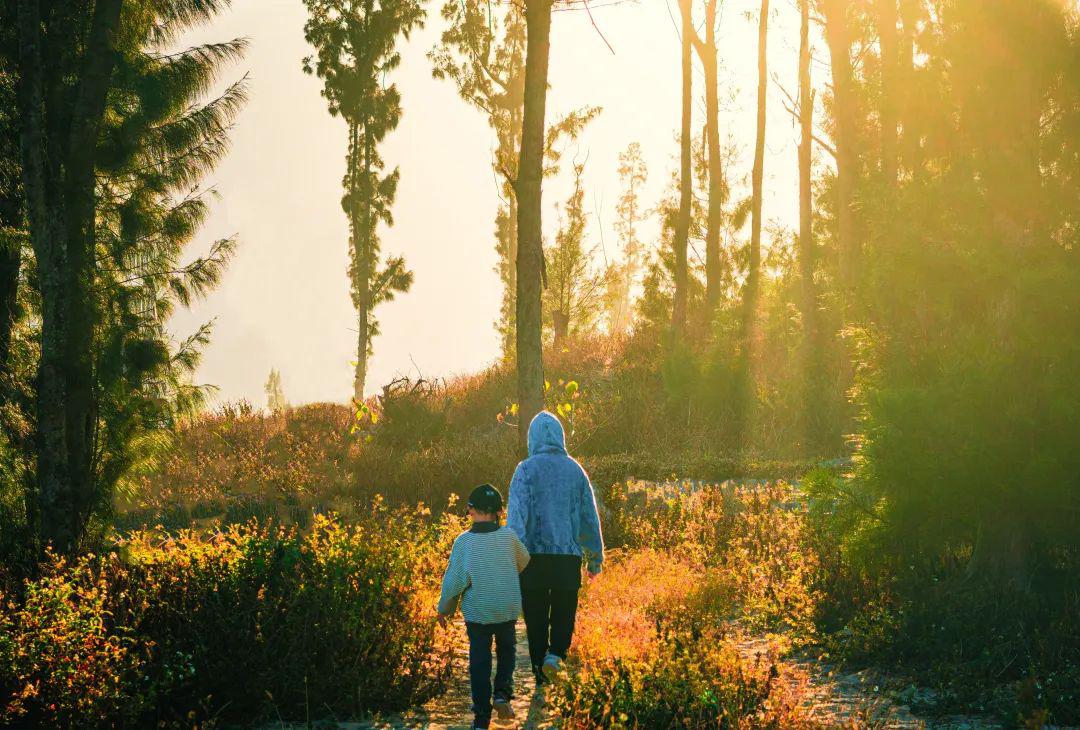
column 483, row 574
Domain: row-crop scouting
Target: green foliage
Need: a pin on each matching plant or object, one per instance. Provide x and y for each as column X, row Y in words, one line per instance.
column 621, row 277
column 59, row 659
column 695, row 680
column 355, row 49
column 573, row 297
column 251, row 622
column 482, row 50
column 159, row 135
column 653, row 649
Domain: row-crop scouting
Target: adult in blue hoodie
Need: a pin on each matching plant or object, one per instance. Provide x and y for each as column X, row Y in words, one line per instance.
column 552, row 509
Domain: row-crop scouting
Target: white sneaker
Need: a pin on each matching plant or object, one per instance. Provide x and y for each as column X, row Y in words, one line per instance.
column 552, row 666
column 503, row 709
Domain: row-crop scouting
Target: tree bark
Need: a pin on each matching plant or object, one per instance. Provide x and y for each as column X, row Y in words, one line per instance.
column 838, row 38
column 753, row 277
column 910, row 141
column 528, row 188
column 98, row 62
column 58, row 146
column 886, row 20
column 362, row 232
column 811, row 350
column 11, row 220
column 561, row 326
column 686, row 182
column 744, row 411
column 707, row 52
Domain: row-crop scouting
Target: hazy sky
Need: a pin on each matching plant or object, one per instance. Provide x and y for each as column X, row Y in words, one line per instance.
column 284, row 302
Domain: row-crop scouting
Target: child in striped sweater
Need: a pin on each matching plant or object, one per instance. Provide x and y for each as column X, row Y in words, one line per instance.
column 483, row 575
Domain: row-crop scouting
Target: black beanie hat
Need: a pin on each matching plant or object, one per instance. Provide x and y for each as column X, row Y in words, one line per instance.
column 486, row 498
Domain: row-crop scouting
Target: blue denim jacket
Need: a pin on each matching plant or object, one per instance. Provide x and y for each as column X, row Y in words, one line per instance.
column 551, row 505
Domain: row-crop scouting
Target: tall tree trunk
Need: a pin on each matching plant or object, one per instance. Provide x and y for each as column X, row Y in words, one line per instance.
column 510, row 325
column 11, row 208
column 506, row 231
column 686, row 182
column 838, row 38
column 81, row 188
column 707, row 52
column 752, row 290
column 561, row 325
column 528, row 186
column 363, row 264
column 811, row 350
column 45, row 212
column 910, row 142
column 886, row 20
column 61, row 117
column 753, row 277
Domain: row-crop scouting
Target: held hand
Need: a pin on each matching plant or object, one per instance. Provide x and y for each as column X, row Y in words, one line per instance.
column 592, row 575
column 443, row 621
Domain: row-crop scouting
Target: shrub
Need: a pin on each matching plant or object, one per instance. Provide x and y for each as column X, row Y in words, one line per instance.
column 753, row 536
column 650, row 653
column 771, row 561
column 62, row 657
column 247, row 623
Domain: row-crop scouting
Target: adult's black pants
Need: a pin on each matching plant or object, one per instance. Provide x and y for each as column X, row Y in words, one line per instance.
column 549, row 599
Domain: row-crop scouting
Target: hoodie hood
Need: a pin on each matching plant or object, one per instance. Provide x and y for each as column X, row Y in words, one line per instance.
column 546, row 435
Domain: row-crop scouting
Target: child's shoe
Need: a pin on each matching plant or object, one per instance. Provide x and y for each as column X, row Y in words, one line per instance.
column 552, row 666
column 503, row 708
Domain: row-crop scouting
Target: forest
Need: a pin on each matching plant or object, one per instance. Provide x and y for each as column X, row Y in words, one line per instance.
column 835, row 458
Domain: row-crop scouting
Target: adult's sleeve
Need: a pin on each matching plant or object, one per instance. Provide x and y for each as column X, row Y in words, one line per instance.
column 454, row 582
column 592, row 536
column 517, row 509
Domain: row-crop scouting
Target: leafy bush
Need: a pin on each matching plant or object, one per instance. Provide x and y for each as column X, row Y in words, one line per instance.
column 771, row 562
column 62, row 659
column 651, row 653
column 238, row 464
column 753, row 537
column 250, row 622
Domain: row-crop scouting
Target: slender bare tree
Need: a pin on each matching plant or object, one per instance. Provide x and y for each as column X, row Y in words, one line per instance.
column 753, row 274
column 686, row 179
column 838, row 37
column 811, row 350
column 707, row 51
column 527, row 187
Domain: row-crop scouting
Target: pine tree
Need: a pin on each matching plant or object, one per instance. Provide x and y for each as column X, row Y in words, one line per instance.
column 622, row 276
column 114, row 140
column 483, row 52
column 573, row 297
column 275, row 394
column 356, row 48
column 811, row 354
column 752, row 289
column 838, row 35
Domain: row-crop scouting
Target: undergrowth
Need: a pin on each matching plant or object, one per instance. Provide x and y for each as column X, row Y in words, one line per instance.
column 251, row 622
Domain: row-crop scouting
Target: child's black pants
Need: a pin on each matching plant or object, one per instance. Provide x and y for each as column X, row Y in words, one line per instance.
column 480, row 636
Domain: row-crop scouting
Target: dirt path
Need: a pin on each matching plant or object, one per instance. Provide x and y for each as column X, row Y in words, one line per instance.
column 452, row 711
column 866, row 698
column 833, row 698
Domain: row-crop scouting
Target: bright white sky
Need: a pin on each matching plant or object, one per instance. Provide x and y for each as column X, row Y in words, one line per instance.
column 284, row 302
